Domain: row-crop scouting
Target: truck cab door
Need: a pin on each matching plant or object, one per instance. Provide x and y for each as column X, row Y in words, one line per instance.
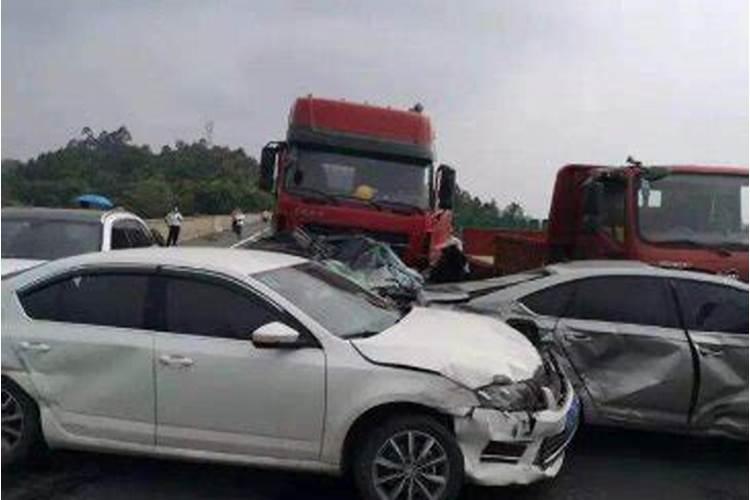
column 716, row 317
column 601, row 233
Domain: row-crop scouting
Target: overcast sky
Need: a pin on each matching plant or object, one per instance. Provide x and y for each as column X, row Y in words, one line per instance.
column 515, row 88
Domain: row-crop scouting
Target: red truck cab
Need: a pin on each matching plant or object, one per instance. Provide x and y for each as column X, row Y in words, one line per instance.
column 690, row 217
column 687, row 217
column 348, row 168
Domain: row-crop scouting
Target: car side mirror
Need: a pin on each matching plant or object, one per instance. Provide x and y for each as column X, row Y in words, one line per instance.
column 528, row 328
column 268, row 166
column 446, row 186
column 275, row 335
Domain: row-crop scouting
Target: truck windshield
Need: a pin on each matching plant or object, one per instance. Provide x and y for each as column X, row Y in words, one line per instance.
column 337, row 303
column 45, row 239
column 395, row 181
column 700, row 209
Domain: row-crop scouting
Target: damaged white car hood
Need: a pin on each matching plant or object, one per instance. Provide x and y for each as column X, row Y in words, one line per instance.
column 467, row 348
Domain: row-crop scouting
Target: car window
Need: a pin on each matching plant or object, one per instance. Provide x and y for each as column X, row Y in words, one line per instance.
column 336, row 302
column 550, row 301
column 116, row 299
column 206, row 307
column 137, row 234
column 48, row 239
column 712, row 307
column 119, row 235
column 639, row 300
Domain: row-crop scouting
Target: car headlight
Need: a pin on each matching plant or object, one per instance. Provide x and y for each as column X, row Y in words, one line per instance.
column 520, row 396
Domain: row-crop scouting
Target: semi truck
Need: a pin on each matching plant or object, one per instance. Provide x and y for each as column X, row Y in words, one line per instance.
column 350, row 168
column 688, row 217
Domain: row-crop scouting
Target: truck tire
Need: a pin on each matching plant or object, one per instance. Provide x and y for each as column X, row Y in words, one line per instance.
column 21, row 430
column 411, row 457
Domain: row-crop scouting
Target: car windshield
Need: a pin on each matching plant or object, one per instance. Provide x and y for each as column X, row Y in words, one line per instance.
column 698, row 209
column 390, row 181
column 337, row 303
column 46, row 239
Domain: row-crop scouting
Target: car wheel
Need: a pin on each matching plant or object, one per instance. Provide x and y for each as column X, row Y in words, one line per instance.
column 409, row 458
column 21, row 432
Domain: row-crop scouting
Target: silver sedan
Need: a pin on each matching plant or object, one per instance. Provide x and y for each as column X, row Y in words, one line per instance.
column 266, row 359
column 645, row 347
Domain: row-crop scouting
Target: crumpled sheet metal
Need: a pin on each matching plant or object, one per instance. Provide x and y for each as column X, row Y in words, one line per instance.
column 651, row 380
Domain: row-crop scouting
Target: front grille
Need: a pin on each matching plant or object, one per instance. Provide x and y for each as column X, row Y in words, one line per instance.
column 503, row 452
column 397, row 241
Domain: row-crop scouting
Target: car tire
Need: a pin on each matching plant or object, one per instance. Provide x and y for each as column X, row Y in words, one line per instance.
column 405, row 457
column 21, row 431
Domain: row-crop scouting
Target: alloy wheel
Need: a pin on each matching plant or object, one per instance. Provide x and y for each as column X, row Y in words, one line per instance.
column 411, row 465
column 12, row 422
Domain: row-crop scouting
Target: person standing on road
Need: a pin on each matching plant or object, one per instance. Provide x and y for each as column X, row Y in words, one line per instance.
column 174, row 222
column 238, row 220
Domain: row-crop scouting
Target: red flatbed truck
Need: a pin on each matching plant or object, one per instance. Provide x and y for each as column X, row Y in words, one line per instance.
column 349, row 168
column 688, row 217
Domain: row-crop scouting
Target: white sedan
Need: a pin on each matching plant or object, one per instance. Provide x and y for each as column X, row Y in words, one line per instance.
column 266, row 359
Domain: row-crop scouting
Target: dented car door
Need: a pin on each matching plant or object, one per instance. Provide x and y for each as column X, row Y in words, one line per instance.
column 90, row 355
column 716, row 317
column 621, row 335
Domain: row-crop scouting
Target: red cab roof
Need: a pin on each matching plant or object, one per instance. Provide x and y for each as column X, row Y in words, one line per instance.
column 364, row 120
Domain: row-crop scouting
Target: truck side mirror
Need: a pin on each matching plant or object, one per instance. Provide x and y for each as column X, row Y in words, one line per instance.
column 593, row 204
column 446, row 186
column 268, row 166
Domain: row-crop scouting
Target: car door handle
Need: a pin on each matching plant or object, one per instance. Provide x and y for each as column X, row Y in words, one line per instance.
column 710, row 351
column 34, row 346
column 178, row 361
column 581, row 337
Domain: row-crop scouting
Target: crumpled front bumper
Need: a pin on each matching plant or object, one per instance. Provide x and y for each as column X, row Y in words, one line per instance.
column 502, row 448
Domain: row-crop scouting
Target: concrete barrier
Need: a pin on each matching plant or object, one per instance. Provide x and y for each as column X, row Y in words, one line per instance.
column 199, row 226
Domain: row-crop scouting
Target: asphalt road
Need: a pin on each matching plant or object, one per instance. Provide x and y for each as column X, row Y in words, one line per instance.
column 602, row 464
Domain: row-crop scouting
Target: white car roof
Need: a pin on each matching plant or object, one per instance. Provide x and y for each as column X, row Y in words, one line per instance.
column 243, row 262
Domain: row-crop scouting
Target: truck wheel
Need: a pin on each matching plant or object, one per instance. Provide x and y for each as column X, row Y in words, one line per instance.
column 21, row 432
column 409, row 458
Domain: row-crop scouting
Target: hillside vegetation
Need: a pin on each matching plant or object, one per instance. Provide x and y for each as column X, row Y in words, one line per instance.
column 200, row 178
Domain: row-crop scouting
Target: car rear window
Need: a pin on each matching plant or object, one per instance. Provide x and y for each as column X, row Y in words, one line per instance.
column 47, row 239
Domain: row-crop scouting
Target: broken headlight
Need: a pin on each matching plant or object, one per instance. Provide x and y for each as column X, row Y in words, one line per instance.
column 519, row 396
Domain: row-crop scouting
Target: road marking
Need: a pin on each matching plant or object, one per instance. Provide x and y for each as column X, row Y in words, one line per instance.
column 253, row 237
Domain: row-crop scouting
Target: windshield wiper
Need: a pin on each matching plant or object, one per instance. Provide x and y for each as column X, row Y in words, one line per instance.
column 723, row 249
column 354, row 198
column 408, row 206
column 302, row 190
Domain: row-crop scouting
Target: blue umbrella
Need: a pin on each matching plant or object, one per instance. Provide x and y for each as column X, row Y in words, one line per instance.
column 94, row 201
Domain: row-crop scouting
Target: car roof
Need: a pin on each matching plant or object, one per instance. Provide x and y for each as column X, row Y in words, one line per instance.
column 226, row 260
column 583, row 268
column 60, row 214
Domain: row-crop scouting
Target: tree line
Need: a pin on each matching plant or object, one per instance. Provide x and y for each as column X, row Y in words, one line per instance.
column 198, row 177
